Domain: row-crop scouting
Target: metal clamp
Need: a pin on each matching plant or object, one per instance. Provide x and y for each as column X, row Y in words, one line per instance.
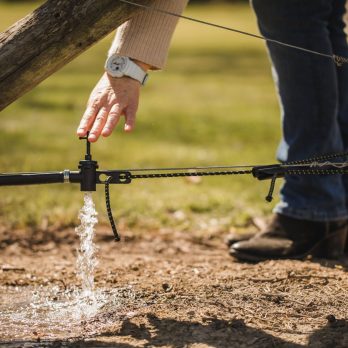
column 66, row 176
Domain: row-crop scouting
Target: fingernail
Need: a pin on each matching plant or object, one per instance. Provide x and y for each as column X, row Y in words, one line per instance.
column 92, row 137
column 105, row 132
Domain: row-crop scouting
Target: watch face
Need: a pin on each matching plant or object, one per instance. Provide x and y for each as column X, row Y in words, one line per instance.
column 117, row 66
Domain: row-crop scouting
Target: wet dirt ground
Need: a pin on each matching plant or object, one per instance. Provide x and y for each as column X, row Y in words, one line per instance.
column 182, row 291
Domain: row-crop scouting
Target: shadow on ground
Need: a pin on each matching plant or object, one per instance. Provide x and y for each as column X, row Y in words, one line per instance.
column 179, row 334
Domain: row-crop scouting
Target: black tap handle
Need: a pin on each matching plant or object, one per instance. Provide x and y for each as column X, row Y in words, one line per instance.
column 88, row 155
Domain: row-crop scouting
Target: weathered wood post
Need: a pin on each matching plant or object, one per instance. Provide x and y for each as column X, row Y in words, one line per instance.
column 50, row 37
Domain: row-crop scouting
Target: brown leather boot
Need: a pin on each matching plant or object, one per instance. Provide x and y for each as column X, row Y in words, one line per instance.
column 289, row 238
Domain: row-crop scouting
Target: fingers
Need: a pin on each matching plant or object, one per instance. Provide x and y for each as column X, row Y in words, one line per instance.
column 103, row 121
column 98, row 124
column 87, row 119
column 110, row 99
column 113, row 118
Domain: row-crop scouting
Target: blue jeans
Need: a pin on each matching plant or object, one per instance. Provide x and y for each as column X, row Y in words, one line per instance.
column 313, row 93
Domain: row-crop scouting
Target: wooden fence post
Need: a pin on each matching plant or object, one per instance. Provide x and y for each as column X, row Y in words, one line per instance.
column 50, row 37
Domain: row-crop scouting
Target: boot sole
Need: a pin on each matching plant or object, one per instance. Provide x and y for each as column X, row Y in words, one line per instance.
column 253, row 258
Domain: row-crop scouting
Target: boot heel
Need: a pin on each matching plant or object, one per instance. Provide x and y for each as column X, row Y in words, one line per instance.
column 332, row 247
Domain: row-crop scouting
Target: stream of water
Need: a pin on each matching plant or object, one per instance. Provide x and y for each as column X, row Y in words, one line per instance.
column 86, row 259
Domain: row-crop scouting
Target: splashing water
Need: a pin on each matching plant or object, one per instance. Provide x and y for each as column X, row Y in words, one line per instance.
column 86, row 260
column 57, row 312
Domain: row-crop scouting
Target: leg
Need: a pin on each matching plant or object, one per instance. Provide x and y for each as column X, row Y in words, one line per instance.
column 309, row 96
column 340, row 47
column 311, row 218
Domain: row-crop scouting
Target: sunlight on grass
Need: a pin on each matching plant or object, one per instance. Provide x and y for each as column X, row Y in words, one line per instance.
column 214, row 105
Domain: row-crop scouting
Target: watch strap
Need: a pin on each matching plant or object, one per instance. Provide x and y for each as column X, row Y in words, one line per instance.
column 134, row 71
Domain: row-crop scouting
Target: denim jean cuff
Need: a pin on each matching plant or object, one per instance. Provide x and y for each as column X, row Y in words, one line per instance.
column 312, row 215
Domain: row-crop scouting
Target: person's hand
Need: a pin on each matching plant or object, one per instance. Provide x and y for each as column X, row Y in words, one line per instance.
column 110, row 99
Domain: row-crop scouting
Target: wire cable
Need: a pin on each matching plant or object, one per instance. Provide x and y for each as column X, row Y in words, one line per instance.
column 338, row 60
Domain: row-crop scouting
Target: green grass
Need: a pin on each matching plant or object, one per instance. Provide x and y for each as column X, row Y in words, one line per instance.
column 214, row 105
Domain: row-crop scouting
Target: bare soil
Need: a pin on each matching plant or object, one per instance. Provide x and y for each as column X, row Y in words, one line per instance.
column 188, row 292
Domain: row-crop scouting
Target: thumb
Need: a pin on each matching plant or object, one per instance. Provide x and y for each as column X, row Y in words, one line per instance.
column 130, row 115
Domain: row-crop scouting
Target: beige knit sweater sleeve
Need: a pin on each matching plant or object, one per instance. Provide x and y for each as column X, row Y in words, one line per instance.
column 147, row 36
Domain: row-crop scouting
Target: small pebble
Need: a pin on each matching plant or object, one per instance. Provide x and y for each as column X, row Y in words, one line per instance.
column 167, row 287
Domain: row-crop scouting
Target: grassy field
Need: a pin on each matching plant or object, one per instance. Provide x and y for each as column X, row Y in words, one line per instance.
column 214, row 105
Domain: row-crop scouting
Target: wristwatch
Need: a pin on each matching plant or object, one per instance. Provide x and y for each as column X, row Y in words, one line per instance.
column 118, row 66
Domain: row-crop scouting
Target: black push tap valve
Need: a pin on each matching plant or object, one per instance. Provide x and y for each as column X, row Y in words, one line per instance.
column 88, row 170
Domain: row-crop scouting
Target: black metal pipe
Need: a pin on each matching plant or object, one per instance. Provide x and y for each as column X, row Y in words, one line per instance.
column 31, row 178
column 14, row 179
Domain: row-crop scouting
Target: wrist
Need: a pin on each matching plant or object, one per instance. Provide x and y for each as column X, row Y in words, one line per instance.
column 119, row 66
